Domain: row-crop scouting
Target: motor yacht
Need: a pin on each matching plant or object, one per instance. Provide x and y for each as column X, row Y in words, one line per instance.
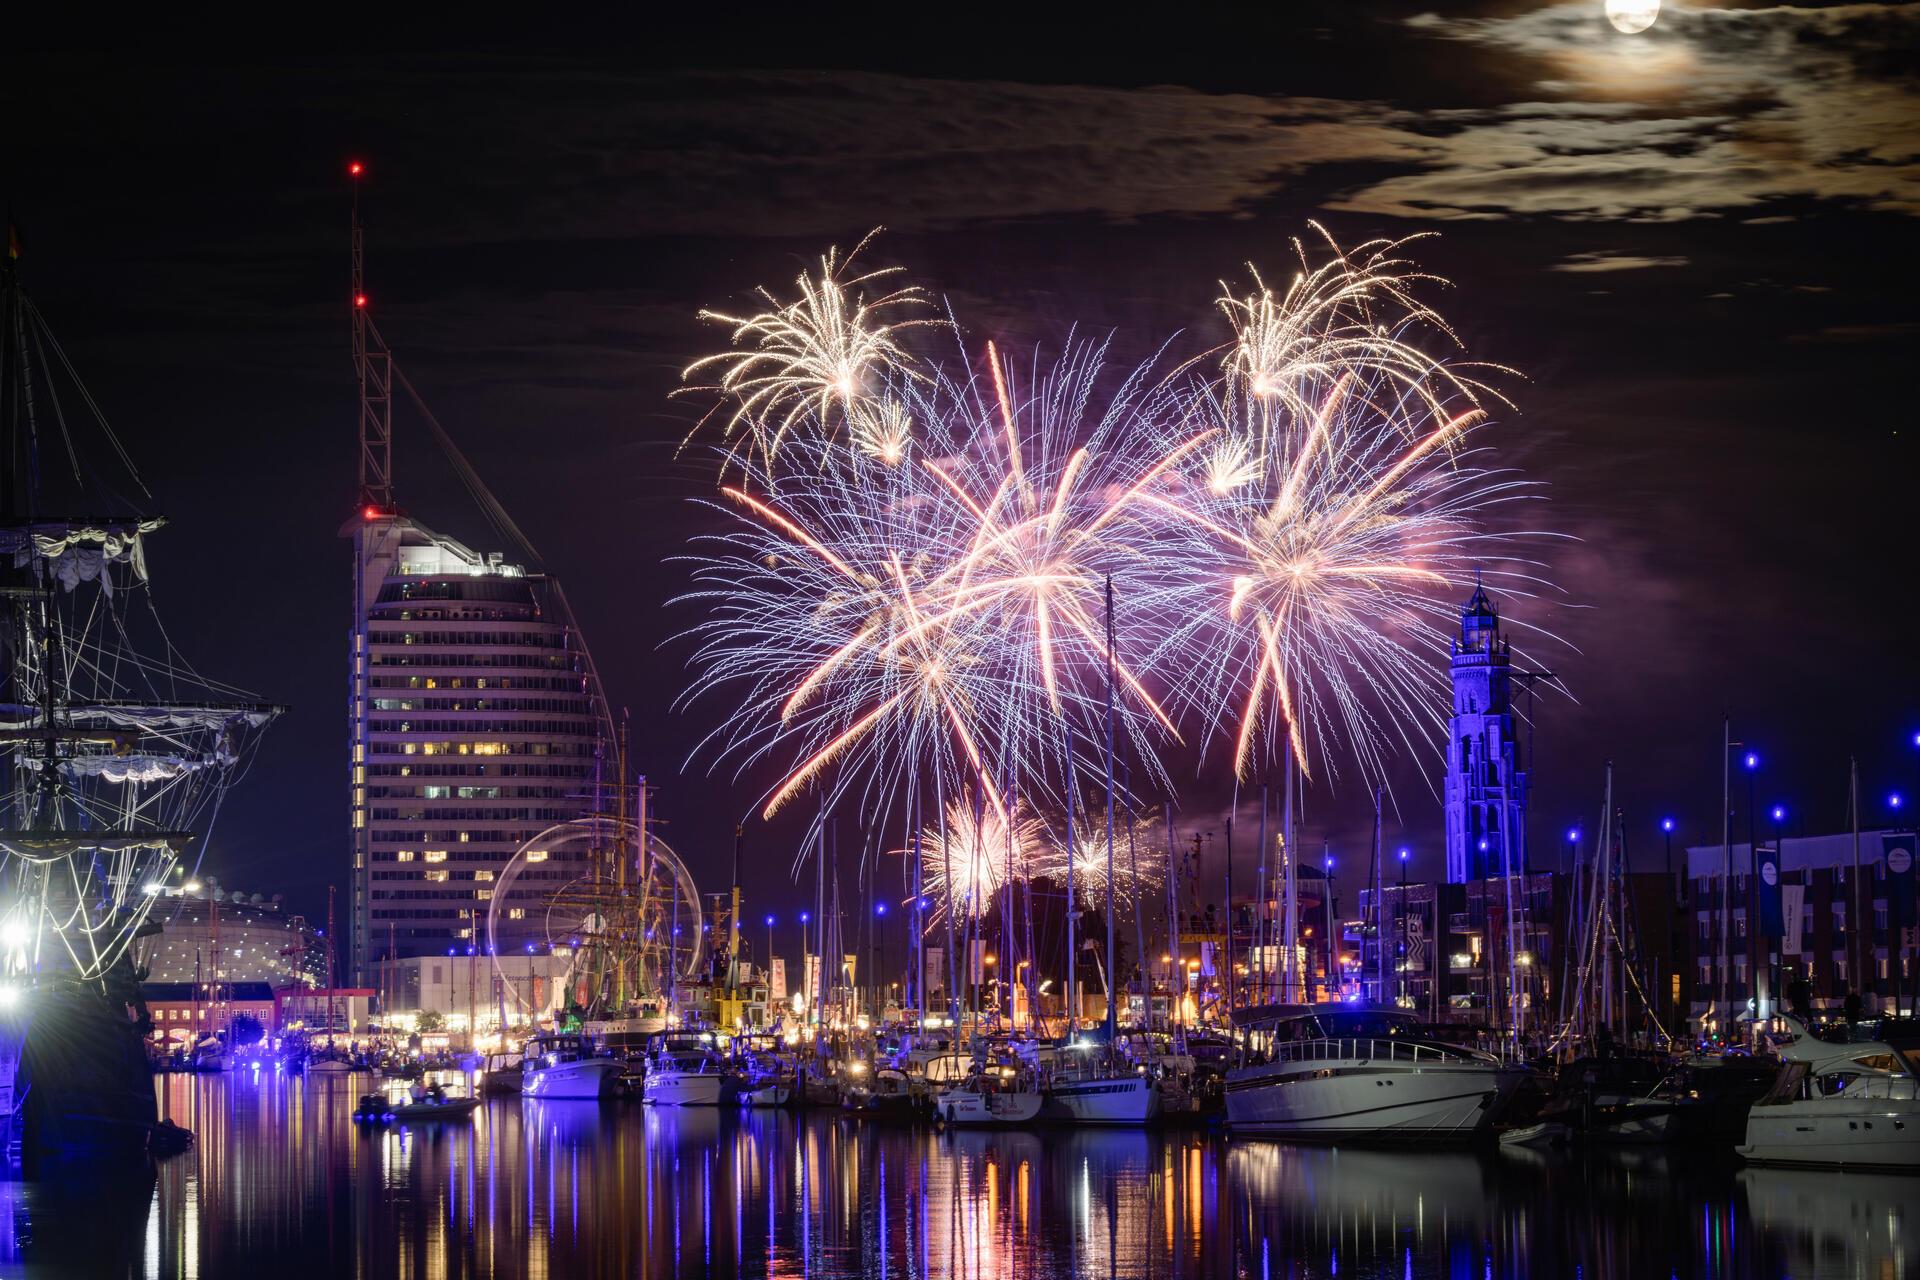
column 566, row 1067
column 685, row 1079
column 1364, row 1075
column 1849, row 1104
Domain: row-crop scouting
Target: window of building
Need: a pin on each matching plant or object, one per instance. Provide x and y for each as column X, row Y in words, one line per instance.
column 404, row 855
column 483, row 874
column 437, row 876
column 536, row 855
column 436, row 855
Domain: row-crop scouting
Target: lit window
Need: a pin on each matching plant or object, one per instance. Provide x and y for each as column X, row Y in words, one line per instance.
column 437, row 876
column 483, row 874
column 536, row 855
column 483, row 895
column 436, row 855
column 406, row 855
column 516, row 913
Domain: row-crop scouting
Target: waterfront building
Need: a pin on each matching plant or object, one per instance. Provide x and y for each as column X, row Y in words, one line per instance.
column 474, row 723
column 185, row 1013
column 1841, row 923
column 1486, row 783
column 214, row 934
column 463, row 991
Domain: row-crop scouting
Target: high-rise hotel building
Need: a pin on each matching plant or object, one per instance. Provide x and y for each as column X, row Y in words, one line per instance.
column 474, row 723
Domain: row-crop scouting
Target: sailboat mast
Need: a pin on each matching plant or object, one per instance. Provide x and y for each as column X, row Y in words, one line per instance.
column 1112, row 972
column 1073, row 858
column 1291, row 986
column 1379, row 914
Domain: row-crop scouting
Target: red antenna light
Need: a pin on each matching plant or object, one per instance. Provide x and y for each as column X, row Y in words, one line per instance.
column 371, row 513
column 359, row 299
column 355, row 169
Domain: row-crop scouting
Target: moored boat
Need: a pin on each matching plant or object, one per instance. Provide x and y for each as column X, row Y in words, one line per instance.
column 1366, row 1075
column 564, row 1067
column 1849, row 1105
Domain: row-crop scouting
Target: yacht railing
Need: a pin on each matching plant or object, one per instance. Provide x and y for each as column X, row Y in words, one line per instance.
column 1365, row 1049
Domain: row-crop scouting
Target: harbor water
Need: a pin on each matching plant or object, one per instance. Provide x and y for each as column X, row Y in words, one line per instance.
column 282, row 1182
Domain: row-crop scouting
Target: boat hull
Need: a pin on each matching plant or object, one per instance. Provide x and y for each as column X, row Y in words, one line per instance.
column 1111, row 1100
column 1331, row 1101
column 683, row 1089
column 967, row 1108
column 582, row 1081
column 1850, row 1133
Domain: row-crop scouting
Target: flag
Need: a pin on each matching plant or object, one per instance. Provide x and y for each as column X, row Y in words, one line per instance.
column 777, row 980
column 1793, row 899
column 1771, row 924
column 936, row 961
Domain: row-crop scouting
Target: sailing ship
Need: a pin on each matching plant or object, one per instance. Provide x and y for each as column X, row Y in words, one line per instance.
column 114, row 757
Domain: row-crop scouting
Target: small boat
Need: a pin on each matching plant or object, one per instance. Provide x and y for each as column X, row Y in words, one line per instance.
column 684, row 1080
column 1852, row 1105
column 773, row 1092
column 989, row 1099
column 424, row 1104
column 885, row 1094
column 1550, row 1133
column 1096, row 1088
column 564, row 1067
column 503, row 1073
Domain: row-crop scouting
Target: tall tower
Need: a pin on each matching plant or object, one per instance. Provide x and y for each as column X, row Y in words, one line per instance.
column 474, row 716
column 1486, row 793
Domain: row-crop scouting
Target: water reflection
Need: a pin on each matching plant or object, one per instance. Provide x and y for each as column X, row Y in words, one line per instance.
column 282, row 1182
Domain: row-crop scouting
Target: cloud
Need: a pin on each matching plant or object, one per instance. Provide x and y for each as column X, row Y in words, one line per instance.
column 1597, row 260
column 1713, row 110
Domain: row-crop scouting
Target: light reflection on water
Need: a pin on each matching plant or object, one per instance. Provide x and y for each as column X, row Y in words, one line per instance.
column 282, row 1183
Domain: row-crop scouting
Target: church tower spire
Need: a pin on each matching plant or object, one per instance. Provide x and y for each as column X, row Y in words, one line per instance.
column 1486, row 790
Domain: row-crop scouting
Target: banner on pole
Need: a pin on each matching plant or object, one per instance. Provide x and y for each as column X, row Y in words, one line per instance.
column 1793, row 899
column 777, row 980
column 812, row 992
column 936, row 962
column 1771, row 923
column 1898, row 852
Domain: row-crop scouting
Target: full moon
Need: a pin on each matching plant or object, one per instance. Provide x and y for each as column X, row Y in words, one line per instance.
column 1631, row 17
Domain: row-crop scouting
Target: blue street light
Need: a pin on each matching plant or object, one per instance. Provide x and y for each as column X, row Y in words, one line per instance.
column 1483, row 844
column 805, row 916
column 1573, row 835
column 1895, row 800
column 769, row 922
column 879, row 908
column 1779, row 813
column 1403, row 855
column 1751, row 760
column 1666, row 825
column 1329, row 866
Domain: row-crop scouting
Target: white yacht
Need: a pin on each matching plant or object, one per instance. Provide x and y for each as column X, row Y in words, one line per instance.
column 991, row 1098
column 684, row 1080
column 1365, row 1075
column 1096, row 1087
column 1845, row 1104
column 565, row 1067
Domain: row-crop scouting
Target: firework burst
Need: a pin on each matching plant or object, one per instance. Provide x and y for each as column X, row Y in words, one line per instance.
column 814, row 360
column 1136, row 878
column 965, row 861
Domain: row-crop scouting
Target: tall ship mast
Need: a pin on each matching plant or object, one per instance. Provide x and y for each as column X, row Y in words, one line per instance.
column 115, row 754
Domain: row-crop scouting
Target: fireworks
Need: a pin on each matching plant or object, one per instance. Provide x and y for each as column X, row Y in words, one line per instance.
column 913, row 596
column 815, row 359
column 1137, row 866
column 965, row 861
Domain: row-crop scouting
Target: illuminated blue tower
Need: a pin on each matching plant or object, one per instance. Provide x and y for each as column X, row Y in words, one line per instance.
column 1486, row 792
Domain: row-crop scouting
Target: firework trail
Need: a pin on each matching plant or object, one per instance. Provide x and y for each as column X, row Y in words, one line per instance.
column 815, row 361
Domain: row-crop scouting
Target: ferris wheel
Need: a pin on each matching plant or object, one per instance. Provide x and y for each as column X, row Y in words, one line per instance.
column 628, row 918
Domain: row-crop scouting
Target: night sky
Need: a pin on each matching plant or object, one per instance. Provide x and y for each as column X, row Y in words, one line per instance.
column 1697, row 244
